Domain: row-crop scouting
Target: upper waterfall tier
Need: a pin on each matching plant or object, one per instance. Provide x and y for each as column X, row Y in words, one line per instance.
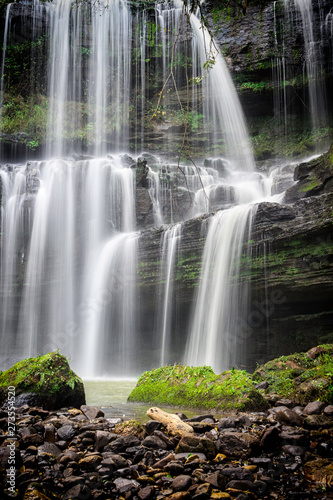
column 118, row 78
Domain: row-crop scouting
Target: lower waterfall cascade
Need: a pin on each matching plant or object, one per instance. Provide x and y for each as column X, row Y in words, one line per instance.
column 104, row 240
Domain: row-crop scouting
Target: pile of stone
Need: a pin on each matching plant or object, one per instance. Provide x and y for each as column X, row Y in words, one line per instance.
column 285, row 453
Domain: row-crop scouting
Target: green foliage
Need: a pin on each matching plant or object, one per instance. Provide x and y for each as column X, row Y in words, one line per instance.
column 269, row 140
column 25, row 67
column 198, row 387
column 255, row 86
column 25, row 115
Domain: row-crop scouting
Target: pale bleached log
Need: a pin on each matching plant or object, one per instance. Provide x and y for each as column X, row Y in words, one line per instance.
column 175, row 426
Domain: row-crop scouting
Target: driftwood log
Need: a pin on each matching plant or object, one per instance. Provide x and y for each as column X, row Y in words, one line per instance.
column 175, row 426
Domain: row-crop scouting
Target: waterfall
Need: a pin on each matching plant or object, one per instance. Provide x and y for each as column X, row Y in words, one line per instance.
column 155, row 196
column 219, row 329
column 312, row 61
column 70, row 209
column 120, row 79
column 109, row 334
column 89, row 75
column 5, row 42
column 170, row 245
column 313, row 70
column 12, row 254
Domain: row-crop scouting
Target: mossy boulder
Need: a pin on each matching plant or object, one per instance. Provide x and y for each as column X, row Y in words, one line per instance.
column 314, row 177
column 199, row 387
column 303, row 377
column 45, row 381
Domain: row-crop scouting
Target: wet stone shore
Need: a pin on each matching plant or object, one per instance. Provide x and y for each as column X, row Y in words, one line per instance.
column 285, row 453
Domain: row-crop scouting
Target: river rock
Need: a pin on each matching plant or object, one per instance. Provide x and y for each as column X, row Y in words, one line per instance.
column 181, row 483
column 329, row 410
column 196, row 444
column 314, row 408
column 119, row 461
column 66, row 433
column 238, row 444
column 270, row 440
column 174, row 468
column 79, row 491
column 91, row 412
column 299, row 437
column 217, row 480
column 320, row 472
column 242, row 485
column 90, row 462
column 317, row 421
column 31, row 440
column 102, row 438
column 124, row 485
column 203, row 491
column 146, row 493
column 152, row 425
column 289, row 417
column 49, row 449
column 154, row 442
column 293, row 450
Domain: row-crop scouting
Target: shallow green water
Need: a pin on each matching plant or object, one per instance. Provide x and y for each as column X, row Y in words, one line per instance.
column 111, row 396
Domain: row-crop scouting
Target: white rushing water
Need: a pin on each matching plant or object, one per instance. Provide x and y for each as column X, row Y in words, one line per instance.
column 69, row 251
column 221, row 104
column 170, row 244
column 70, row 209
column 89, row 75
column 313, row 47
column 221, row 304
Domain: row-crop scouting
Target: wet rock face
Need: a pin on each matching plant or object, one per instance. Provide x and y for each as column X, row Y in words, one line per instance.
column 237, row 460
column 313, row 178
column 250, row 33
column 291, row 273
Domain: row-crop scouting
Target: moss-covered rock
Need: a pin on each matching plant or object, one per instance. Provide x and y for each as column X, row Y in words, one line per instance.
column 130, row 428
column 46, row 381
column 198, row 387
column 303, row 377
column 314, row 177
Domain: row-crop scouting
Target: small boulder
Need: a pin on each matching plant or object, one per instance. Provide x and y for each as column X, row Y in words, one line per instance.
column 155, row 443
column 181, row 483
column 289, row 417
column 91, row 412
column 329, row 410
column 49, row 449
column 103, row 438
column 270, row 439
column 239, row 444
column 196, row 444
column 45, row 381
column 314, row 408
column 320, row 472
column 318, row 421
column 66, row 433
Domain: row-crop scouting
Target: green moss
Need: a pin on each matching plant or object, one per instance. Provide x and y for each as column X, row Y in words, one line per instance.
column 289, row 259
column 299, row 377
column 198, row 387
column 311, row 185
column 130, row 427
column 48, row 374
